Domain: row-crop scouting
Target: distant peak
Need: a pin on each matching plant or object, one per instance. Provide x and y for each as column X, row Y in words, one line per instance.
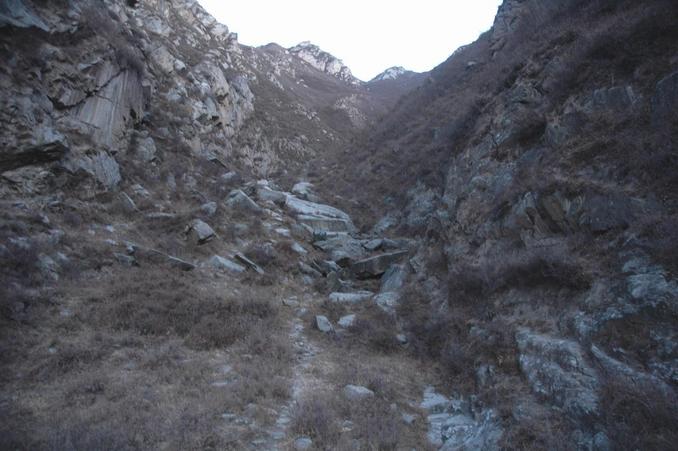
column 391, row 73
column 323, row 61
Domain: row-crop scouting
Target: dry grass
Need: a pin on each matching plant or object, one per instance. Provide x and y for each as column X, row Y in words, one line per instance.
column 132, row 365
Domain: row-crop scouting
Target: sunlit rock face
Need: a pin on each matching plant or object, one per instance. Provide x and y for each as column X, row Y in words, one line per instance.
column 323, row 61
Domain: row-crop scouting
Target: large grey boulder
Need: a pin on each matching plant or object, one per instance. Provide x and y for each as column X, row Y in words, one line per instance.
column 323, row 324
column 304, row 207
column 393, row 279
column 304, row 190
column 377, row 265
column 248, row 263
column 351, row 298
column 225, row 264
column 325, row 224
column 15, row 13
column 266, row 193
column 343, row 250
column 200, row 231
column 388, row 301
column 346, row 321
column 665, row 100
column 357, row 393
column 557, row 370
column 180, row 264
column 454, row 424
column 238, row 200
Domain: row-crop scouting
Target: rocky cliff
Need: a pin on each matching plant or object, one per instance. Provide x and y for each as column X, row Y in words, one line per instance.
column 536, row 165
column 209, row 245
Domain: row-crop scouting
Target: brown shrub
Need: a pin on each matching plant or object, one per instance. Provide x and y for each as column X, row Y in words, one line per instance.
column 639, row 416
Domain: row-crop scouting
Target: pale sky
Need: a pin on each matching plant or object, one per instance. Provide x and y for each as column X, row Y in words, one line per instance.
column 369, row 36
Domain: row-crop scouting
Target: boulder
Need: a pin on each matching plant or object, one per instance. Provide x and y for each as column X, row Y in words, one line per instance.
column 200, row 231
column 342, row 250
column 357, row 393
column 308, row 270
column 304, row 207
column 665, row 100
column 265, row 193
column 237, row 199
column 209, row 208
column 393, row 279
column 303, row 443
column 17, row 14
column 351, row 298
column 557, row 370
column 304, row 190
column 248, row 263
column 180, row 264
column 387, row 301
column 324, row 224
column 377, row 265
column 346, row 321
column 225, row 264
column 323, row 324
column 373, row 245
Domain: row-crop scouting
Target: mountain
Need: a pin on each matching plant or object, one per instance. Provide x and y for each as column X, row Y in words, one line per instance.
column 392, row 73
column 323, row 61
column 210, row 245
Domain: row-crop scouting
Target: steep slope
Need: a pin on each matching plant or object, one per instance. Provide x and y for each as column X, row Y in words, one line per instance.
column 537, row 167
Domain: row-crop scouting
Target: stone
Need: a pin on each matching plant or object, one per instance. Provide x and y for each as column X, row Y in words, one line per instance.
column 209, row 208
column 200, row 231
column 32, row 155
column 298, row 248
column 454, row 424
column 265, row 193
column 346, row 321
column 308, row 270
column 237, row 199
column 127, row 203
column 557, row 370
column 402, row 339
column 303, row 443
column 377, row 265
column 324, row 224
column 117, row 103
column 17, row 14
column 102, row 166
column 408, row 418
column 146, row 150
column 665, row 100
column 357, row 393
column 323, row 324
column 328, row 267
column 229, row 177
column 393, row 279
column 181, row 264
column 304, row 207
column 125, row 260
column 225, row 264
column 248, row 263
column 387, row 301
column 304, row 190
column 373, row 245
column 351, row 298
column 342, row 250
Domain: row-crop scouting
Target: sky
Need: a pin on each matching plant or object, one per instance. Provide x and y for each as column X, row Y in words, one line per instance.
column 368, row 35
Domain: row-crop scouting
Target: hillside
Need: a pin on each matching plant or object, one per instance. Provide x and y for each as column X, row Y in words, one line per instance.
column 206, row 245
